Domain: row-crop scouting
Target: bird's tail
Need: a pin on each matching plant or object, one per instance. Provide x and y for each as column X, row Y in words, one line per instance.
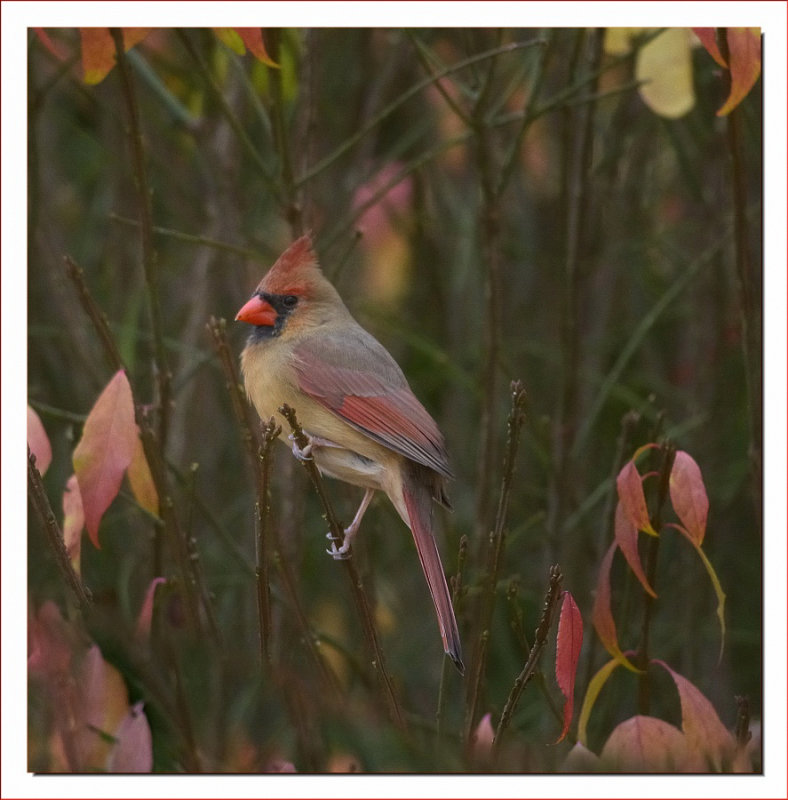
column 418, row 503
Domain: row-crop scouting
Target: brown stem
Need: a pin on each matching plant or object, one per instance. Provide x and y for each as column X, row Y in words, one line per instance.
column 495, row 544
column 668, row 453
column 540, row 639
column 749, row 306
column 150, row 269
column 97, row 316
column 35, row 489
column 254, row 445
column 356, row 584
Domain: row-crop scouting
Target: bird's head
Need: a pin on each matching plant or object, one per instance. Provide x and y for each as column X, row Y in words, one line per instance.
column 294, row 293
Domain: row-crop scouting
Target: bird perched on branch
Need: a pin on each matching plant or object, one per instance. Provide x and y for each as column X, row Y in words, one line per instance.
column 364, row 424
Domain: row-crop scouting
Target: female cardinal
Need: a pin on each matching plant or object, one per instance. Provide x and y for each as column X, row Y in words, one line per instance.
column 364, row 424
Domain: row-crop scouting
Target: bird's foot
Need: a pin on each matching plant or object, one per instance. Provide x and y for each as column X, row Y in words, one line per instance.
column 341, row 553
column 302, row 454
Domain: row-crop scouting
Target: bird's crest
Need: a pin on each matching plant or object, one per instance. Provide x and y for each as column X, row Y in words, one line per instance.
column 294, row 271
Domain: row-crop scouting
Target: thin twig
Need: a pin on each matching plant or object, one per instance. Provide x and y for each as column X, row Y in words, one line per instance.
column 97, row 316
column 495, row 544
column 150, row 268
column 540, row 639
column 359, row 595
column 253, row 445
column 235, row 124
column 262, row 517
column 35, row 489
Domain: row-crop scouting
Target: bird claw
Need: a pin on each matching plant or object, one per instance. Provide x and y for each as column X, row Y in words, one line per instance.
column 341, row 553
column 304, row 454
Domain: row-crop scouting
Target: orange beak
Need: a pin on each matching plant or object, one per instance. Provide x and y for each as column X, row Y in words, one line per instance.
column 257, row 312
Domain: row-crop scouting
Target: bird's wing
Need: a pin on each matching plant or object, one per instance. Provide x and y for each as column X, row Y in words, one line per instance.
column 357, row 379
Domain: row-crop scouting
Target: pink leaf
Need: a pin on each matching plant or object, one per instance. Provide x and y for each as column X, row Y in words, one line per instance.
column 688, row 495
column 645, row 744
column 568, row 644
column 105, row 450
column 73, row 521
column 146, row 612
column 707, row 738
column 632, row 499
column 49, row 642
column 38, row 441
column 133, row 750
column 483, row 738
column 627, row 540
column 43, row 37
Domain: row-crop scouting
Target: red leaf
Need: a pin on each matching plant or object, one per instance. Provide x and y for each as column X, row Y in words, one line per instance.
column 707, row 738
column 133, row 750
column 627, row 540
column 688, row 495
column 253, row 39
column 567, row 653
column 105, row 450
column 73, row 521
column 631, row 497
column 146, row 612
column 645, row 744
column 744, row 47
column 708, row 38
column 38, row 441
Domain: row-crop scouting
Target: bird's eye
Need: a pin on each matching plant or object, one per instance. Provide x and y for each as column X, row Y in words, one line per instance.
column 289, row 301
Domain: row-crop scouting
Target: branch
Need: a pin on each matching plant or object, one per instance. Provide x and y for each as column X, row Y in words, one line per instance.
column 163, row 374
column 495, row 544
column 540, row 639
column 35, row 489
column 357, row 587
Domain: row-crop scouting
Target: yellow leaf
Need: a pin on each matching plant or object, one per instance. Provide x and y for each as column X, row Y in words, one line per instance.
column 141, row 481
column 664, row 66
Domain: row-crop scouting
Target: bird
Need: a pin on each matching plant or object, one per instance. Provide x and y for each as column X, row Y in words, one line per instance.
column 364, row 425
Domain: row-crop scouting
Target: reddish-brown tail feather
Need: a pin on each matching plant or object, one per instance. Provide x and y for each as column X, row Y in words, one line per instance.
column 418, row 503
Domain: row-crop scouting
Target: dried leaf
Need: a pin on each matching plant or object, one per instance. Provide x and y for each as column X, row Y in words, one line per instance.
column 645, row 744
column 706, row 736
column 627, row 539
column 73, row 522
column 664, row 65
column 630, row 494
column 601, row 614
column 133, row 751
column 105, row 450
column 38, row 441
column 141, row 480
column 568, row 644
column 688, row 495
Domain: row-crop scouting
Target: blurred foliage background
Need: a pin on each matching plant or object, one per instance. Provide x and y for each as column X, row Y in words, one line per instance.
column 493, row 205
